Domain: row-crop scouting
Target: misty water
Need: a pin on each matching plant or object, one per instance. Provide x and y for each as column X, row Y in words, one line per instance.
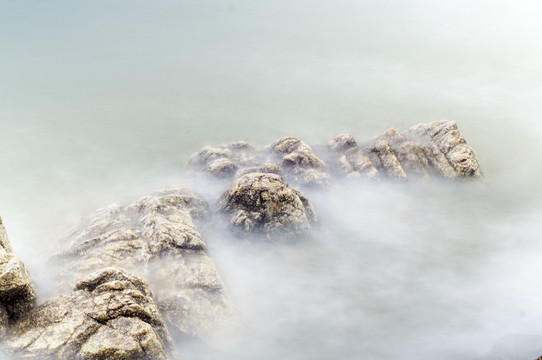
column 104, row 101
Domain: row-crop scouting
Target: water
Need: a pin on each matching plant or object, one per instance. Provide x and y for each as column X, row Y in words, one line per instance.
column 104, row 101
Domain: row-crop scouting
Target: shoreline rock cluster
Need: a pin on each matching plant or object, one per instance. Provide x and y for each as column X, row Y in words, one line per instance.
column 136, row 276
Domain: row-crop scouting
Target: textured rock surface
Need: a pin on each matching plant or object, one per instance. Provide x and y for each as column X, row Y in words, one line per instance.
column 349, row 159
column 156, row 238
column 17, row 294
column 422, row 151
column 446, row 149
column 224, row 161
column 300, row 162
column 263, row 203
column 434, row 149
column 109, row 315
column 4, row 241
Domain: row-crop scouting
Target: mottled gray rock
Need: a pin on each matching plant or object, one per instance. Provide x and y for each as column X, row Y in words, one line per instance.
column 156, row 237
column 300, row 162
column 342, row 142
column 4, row 241
column 446, row 149
column 224, row 161
column 17, row 295
column 349, row 160
column 384, row 158
column 109, row 314
column 263, row 203
column 422, row 151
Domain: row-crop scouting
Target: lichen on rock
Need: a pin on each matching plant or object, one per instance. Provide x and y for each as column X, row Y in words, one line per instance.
column 263, row 203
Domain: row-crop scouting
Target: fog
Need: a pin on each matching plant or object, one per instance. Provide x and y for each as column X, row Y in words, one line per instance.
column 104, row 101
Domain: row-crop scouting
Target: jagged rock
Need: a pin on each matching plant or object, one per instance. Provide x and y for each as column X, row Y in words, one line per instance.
column 156, row 237
column 263, row 203
column 110, row 314
column 383, row 156
column 17, row 295
column 300, row 162
column 224, row 161
column 4, row 241
column 16, row 290
column 351, row 161
column 446, row 149
column 342, row 142
column 422, row 151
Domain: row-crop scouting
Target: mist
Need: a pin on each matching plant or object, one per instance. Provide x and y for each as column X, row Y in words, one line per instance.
column 103, row 102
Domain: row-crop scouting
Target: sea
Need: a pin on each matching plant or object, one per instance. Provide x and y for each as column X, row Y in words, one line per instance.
column 104, row 102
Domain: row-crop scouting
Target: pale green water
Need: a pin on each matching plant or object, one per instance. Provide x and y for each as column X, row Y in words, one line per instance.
column 103, row 101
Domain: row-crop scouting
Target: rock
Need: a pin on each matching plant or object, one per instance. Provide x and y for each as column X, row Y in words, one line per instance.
column 341, row 143
column 4, row 241
column 109, row 314
column 300, row 162
column 17, row 295
column 156, row 238
column 384, row 158
column 224, row 161
column 446, row 149
column 422, row 151
column 263, row 203
column 349, row 160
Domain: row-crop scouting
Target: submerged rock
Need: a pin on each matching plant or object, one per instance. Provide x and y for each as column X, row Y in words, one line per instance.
column 108, row 315
column 224, row 161
column 263, row 203
column 350, row 161
column 300, row 162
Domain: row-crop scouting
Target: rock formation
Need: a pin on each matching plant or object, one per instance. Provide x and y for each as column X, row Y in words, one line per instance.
column 17, row 295
column 349, row 159
column 435, row 149
column 422, row 151
column 156, row 237
column 263, row 203
column 106, row 309
column 108, row 315
column 300, row 162
column 224, row 161
column 112, row 313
